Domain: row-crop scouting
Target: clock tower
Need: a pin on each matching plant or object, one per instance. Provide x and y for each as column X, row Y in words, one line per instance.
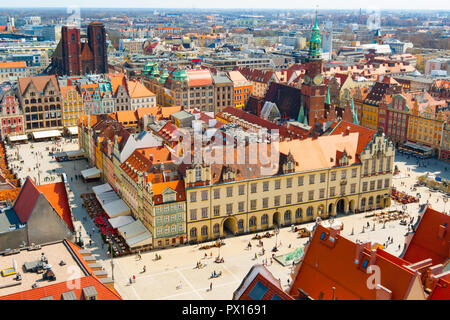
column 313, row 90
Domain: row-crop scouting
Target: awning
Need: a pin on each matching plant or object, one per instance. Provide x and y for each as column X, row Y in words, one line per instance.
column 73, row 130
column 46, row 134
column 75, row 153
column 120, row 221
column 116, row 208
column 107, row 197
column 91, row 173
column 136, row 234
column 102, row 188
column 19, row 137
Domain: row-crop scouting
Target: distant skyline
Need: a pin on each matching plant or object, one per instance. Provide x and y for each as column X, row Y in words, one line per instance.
column 237, row 4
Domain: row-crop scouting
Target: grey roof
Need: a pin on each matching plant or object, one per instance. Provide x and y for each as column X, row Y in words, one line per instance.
column 221, row 79
column 89, row 291
column 182, row 115
column 69, row 295
column 47, row 298
column 9, row 220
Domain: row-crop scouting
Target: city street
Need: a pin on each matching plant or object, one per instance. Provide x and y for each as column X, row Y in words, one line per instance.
column 162, row 278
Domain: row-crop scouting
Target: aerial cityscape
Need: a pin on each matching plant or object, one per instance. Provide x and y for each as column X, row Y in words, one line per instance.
column 224, row 154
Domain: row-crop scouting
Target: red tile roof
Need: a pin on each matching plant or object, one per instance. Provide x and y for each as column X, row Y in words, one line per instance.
column 365, row 135
column 56, row 290
column 56, row 195
column 25, row 201
column 426, row 242
column 441, row 291
column 338, row 262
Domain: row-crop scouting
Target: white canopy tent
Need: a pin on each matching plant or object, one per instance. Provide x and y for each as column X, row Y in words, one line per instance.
column 135, row 234
column 20, row 137
column 73, row 130
column 75, row 153
column 116, row 208
column 46, row 134
column 91, row 173
column 102, row 188
column 107, row 197
column 120, row 221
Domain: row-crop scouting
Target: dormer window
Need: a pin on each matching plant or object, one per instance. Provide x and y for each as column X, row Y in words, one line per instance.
column 365, row 263
column 322, row 236
column 198, row 174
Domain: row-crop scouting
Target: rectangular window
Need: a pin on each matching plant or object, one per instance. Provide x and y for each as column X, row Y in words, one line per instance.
column 353, row 188
column 311, row 179
column 204, row 213
column 277, row 184
column 253, row 204
column 216, row 211
column 289, row 182
column 353, row 173
column 229, row 191
column 342, row 190
column 364, row 188
column 193, row 196
column 229, row 208
column 216, row 193
column 311, row 195
column 288, row 199
column 372, row 185
column 379, row 184
column 241, row 190
column 332, row 191
column 193, row 214
column 265, row 202
column 276, row 201
column 343, row 174
column 266, row 186
column 333, row 176
column 204, row 195
column 300, row 181
column 322, row 193
column 253, row 187
column 299, row 196
column 386, row 183
column 241, row 206
column 258, row 291
column 322, row 177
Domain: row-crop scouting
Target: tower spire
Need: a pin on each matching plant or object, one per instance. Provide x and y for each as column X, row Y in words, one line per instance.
column 315, row 46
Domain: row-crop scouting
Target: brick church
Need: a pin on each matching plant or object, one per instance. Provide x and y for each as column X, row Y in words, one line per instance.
column 76, row 57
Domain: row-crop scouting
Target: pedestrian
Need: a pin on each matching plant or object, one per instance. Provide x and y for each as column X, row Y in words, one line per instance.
column 90, row 242
column 288, row 281
column 131, row 281
column 210, row 286
column 134, row 278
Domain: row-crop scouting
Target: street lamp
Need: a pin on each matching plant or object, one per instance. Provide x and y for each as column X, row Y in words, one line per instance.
column 276, row 231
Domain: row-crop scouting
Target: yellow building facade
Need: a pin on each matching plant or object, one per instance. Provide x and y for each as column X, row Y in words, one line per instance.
column 72, row 105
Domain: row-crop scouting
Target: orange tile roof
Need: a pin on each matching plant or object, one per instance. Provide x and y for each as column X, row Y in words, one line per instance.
column 156, row 154
column 327, row 264
column 441, row 291
column 39, row 81
column 154, row 111
column 365, row 135
column 321, row 152
column 199, row 77
column 65, row 89
column 56, row 195
column 425, row 242
column 177, row 185
column 15, row 64
column 56, row 290
column 137, row 90
column 125, row 116
column 10, row 194
column 168, row 111
column 116, row 79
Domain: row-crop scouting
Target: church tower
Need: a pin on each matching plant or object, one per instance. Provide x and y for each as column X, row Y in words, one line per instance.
column 313, row 89
column 97, row 43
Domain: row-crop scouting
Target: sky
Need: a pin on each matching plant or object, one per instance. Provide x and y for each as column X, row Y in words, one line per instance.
column 270, row 4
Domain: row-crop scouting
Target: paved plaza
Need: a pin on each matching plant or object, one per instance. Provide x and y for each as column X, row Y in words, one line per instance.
column 162, row 277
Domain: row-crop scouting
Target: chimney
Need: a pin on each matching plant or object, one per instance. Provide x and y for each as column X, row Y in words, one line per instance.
column 347, row 131
column 442, row 230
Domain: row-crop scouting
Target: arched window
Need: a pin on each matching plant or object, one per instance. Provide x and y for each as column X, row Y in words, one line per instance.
column 33, row 100
column 204, row 231
column 27, row 101
column 216, row 228
column 27, row 109
column 193, row 232
column 309, row 211
column 264, row 219
column 320, row 209
column 252, row 222
column 34, row 109
column 298, row 213
column 241, row 224
column 287, row 216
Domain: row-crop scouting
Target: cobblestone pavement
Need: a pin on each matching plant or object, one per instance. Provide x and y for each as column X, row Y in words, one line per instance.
column 162, row 277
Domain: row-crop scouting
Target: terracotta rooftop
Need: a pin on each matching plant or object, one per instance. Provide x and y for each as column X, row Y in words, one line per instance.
column 39, row 81
column 137, row 90
column 431, row 238
column 201, row 77
column 14, row 64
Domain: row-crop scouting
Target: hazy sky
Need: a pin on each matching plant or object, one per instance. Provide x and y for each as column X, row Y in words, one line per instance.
column 277, row 4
